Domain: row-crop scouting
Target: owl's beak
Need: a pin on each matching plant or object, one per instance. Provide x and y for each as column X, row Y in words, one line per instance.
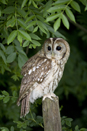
column 53, row 54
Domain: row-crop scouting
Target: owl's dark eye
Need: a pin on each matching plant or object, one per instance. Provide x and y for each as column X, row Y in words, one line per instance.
column 58, row 48
column 49, row 48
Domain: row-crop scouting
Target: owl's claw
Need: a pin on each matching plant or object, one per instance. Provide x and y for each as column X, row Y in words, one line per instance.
column 49, row 96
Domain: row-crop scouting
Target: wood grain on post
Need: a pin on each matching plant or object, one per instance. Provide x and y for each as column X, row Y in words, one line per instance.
column 51, row 114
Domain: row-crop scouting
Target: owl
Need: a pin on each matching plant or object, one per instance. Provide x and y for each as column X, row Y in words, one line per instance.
column 42, row 73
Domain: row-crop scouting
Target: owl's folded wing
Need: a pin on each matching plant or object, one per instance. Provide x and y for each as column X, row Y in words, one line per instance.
column 35, row 70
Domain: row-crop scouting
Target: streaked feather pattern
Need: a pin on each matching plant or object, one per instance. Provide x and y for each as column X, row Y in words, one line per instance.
column 42, row 72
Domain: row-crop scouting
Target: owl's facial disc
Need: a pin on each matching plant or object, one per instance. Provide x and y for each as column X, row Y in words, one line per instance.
column 59, row 49
column 55, row 48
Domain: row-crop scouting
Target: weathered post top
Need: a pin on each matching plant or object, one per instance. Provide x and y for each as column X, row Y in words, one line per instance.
column 51, row 114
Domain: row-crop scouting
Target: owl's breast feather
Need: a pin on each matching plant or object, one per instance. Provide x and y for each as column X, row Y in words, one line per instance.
column 49, row 84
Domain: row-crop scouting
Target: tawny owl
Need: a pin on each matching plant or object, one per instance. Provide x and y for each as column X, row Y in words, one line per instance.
column 42, row 73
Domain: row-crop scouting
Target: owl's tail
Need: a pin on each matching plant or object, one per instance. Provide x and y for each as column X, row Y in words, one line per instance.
column 25, row 106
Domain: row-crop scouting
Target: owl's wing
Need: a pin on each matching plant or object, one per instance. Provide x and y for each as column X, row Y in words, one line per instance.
column 28, row 64
column 34, row 70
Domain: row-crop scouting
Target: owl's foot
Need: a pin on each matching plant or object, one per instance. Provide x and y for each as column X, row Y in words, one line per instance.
column 49, row 95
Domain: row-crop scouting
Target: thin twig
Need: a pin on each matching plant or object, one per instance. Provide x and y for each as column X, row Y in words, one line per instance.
column 27, row 50
column 34, row 120
column 77, row 25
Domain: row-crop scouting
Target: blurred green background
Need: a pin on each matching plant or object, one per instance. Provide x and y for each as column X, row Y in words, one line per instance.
column 72, row 89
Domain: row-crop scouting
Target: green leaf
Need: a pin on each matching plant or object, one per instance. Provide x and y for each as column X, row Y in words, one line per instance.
column 83, row 2
column 12, row 36
column 14, row 99
column 12, row 128
column 68, row 122
column 57, row 24
column 6, row 99
column 56, row 8
column 61, row 2
column 65, row 21
column 26, row 43
column 5, row 93
column 36, row 43
column 14, row 93
column 9, row 10
column 34, row 4
column 86, row 7
column 31, row 24
column 3, row 47
column 34, row 36
column 24, row 3
column 11, row 57
column 3, row 1
column 70, row 14
column 56, row 34
column 52, row 17
column 31, row 45
column 20, row 50
column 22, row 124
column 11, row 22
column 3, row 56
column 21, row 12
column 40, row 17
column 24, row 34
column 46, row 7
column 10, row 49
column 4, row 67
column 4, row 129
column 21, row 60
column 21, row 23
column 42, row 29
column 75, row 6
column 19, row 38
column 30, row 18
column 76, row 128
column 83, row 129
column 35, row 29
column 1, row 97
column 39, row 119
column 42, row 25
column 15, row 77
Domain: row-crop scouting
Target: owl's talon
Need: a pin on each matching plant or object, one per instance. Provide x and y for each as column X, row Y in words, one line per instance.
column 44, row 97
column 49, row 96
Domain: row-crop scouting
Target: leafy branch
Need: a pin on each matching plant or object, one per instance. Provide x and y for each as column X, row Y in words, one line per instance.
column 30, row 120
column 40, row 124
column 57, row 12
column 6, row 97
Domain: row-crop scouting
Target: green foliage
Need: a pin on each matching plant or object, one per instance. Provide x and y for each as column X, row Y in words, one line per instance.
column 59, row 9
column 25, row 25
column 31, row 120
column 66, row 125
column 6, row 97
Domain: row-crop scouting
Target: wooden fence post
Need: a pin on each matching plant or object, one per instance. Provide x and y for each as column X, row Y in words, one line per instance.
column 51, row 114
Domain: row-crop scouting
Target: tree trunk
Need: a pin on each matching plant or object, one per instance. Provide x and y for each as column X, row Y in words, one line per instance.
column 51, row 114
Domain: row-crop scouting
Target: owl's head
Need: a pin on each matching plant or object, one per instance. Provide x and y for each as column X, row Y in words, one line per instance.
column 56, row 48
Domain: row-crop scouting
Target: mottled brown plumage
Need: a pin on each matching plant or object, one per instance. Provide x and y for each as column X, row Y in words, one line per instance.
column 42, row 72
